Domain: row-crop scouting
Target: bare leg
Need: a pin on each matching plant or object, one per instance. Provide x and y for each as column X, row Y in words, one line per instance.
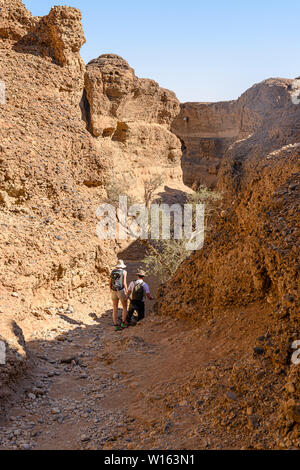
column 115, row 311
column 124, row 305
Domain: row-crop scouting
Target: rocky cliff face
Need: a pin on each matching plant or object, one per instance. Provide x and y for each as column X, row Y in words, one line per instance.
column 56, row 158
column 47, row 214
column 132, row 116
column 250, row 258
column 58, row 36
column 64, row 130
column 15, row 20
column 113, row 90
column 207, row 130
column 252, row 243
column 43, row 192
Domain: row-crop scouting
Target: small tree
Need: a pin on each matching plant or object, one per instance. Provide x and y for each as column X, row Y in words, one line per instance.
column 203, row 195
column 209, row 198
column 115, row 189
column 150, row 187
column 164, row 257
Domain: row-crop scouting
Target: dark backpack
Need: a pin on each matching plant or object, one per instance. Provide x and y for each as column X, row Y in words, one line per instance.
column 117, row 277
column 138, row 292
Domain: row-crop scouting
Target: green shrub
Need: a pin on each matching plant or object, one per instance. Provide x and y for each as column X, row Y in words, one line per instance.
column 164, row 257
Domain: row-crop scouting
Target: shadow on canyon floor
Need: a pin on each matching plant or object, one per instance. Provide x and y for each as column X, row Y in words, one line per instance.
column 160, row 385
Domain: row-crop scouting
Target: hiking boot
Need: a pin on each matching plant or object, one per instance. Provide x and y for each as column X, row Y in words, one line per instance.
column 124, row 325
column 118, row 328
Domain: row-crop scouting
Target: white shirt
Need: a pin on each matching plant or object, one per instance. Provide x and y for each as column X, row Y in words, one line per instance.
column 145, row 287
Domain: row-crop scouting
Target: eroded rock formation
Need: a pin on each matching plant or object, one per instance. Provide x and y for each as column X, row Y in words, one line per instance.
column 114, row 91
column 53, row 170
column 15, row 19
column 207, row 130
column 13, row 356
column 54, row 167
column 249, row 263
column 58, row 36
column 132, row 115
column 67, row 129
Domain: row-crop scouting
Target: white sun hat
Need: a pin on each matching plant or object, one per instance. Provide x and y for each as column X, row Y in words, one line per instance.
column 121, row 264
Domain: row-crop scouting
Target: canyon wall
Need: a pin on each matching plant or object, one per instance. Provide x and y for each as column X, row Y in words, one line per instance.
column 67, row 131
column 248, row 268
column 131, row 117
column 207, row 130
column 252, row 242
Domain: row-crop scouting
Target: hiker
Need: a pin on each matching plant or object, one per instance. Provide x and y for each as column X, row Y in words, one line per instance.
column 137, row 292
column 119, row 291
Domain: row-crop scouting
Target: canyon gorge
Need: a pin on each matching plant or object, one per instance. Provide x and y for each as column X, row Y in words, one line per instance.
column 228, row 316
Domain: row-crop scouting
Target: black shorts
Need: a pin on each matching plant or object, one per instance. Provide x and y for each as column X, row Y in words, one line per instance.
column 136, row 306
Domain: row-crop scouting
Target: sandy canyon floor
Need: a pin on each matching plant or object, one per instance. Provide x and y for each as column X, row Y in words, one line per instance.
column 153, row 386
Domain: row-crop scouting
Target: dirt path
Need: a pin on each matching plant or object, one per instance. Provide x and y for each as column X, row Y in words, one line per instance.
column 153, row 386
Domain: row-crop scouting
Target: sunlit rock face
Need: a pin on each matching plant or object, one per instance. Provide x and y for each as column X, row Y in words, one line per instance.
column 133, row 117
column 58, row 35
column 207, row 130
column 116, row 94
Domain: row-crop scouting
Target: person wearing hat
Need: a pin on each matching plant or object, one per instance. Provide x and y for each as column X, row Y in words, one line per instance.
column 119, row 290
column 137, row 292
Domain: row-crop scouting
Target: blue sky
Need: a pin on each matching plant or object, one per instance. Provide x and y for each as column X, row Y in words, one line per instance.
column 208, row 50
